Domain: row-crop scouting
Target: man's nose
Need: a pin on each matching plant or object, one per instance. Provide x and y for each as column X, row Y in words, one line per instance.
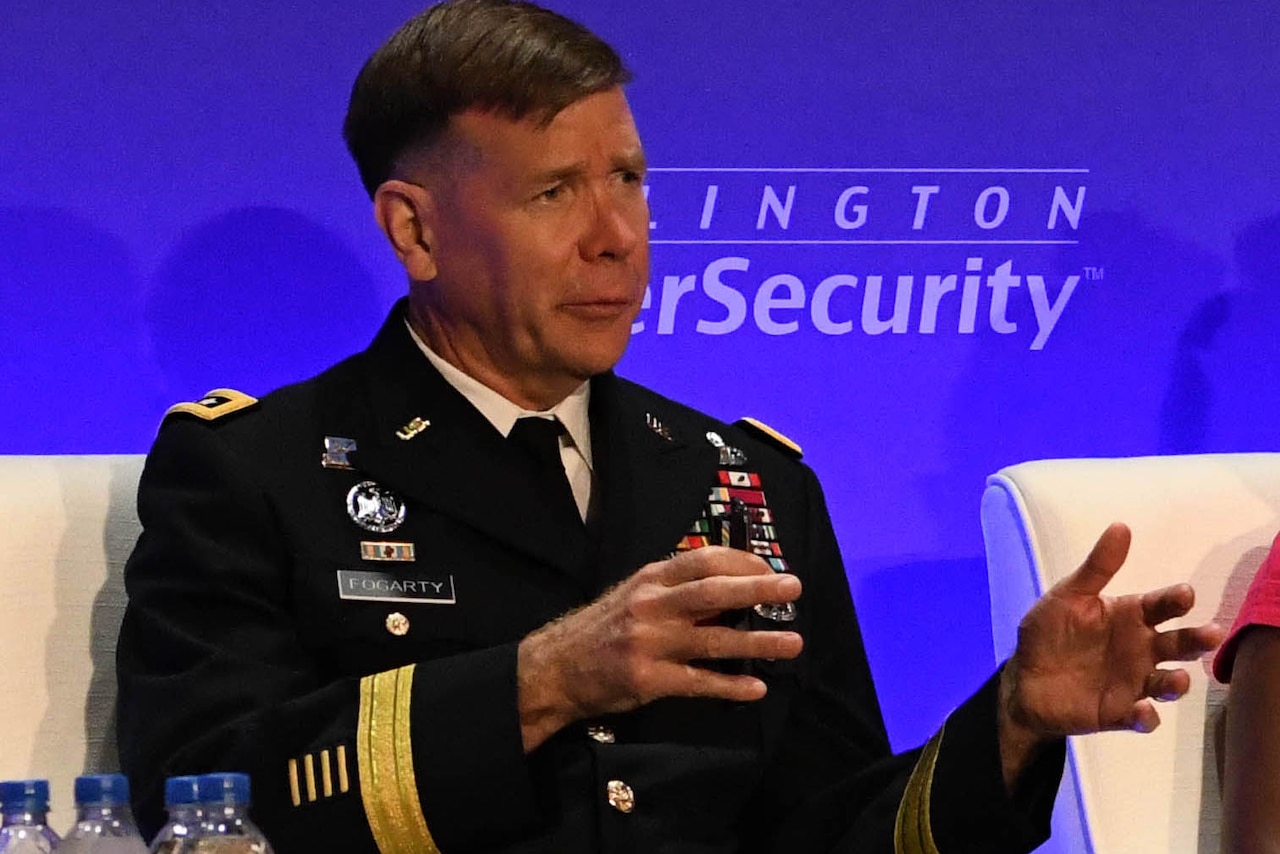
column 614, row 227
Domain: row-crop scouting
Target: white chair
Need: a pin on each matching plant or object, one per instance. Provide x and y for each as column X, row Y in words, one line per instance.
column 1207, row 519
column 67, row 525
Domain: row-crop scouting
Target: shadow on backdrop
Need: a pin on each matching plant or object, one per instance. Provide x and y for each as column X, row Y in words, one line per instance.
column 254, row 299
column 77, row 378
column 1184, row 414
column 1243, row 366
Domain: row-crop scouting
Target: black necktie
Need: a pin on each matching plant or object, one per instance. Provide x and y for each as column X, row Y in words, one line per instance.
column 539, row 439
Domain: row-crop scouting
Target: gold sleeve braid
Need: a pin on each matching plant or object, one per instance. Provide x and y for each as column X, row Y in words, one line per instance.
column 384, row 759
column 912, row 833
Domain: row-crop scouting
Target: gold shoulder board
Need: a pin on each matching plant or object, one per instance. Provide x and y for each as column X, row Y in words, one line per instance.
column 214, row 405
column 763, row 431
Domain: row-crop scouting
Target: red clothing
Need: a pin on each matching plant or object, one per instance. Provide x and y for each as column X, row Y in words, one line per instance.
column 1261, row 608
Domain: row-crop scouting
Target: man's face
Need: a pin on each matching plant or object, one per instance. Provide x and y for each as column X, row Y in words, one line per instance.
column 540, row 240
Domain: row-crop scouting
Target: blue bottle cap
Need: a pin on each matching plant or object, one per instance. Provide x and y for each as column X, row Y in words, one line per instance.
column 224, row 787
column 105, row 789
column 181, row 791
column 31, row 795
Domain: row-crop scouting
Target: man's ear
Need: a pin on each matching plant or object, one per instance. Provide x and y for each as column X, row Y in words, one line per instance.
column 403, row 212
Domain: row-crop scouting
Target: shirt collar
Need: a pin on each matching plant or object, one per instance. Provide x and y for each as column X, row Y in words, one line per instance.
column 573, row 411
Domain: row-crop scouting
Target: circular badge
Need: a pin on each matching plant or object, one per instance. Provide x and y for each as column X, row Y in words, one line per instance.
column 784, row 613
column 374, row 508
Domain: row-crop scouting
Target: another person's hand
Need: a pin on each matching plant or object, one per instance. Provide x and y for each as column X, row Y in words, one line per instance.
column 636, row 642
column 1087, row 662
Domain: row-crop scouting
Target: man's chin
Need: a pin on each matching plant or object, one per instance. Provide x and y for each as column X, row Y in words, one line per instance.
column 596, row 364
column 597, row 352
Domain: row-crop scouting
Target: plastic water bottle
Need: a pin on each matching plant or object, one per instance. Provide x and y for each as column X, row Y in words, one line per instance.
column 225, row 827
column 182, row 800
column 104, row 823
column 25, row 829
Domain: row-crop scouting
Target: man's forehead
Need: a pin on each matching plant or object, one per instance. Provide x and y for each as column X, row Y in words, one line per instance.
column 602, row 119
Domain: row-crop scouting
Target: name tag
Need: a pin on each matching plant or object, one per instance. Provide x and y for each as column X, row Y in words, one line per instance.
column 388, row 587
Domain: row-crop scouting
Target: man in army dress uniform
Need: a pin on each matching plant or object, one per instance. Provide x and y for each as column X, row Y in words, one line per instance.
column 469, row 591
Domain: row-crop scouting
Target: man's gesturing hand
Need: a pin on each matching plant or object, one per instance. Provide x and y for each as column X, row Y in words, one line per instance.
column 635, row 643
column 1087, row 662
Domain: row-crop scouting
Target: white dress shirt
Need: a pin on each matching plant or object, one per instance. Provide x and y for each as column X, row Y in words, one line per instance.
column 573, row 412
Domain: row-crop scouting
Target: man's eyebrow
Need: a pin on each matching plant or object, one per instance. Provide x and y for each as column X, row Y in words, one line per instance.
column 560, row 173
column 633, row 160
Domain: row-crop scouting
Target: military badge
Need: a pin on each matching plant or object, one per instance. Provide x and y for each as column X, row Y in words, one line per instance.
column 785, row 613
column 375, row 508
column 413, row 428
column 658, row 427
column 387, row 551
column 729, row 455
column 335, row 453
column 739, row 478
column 737, row 516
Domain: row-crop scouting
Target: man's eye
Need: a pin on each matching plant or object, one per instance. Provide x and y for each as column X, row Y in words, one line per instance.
column 631, row 177
column 552, row 193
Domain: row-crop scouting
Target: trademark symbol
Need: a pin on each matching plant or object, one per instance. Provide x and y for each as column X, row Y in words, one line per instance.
column 1093, row 274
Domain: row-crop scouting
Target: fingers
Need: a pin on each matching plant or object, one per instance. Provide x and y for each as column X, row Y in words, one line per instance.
column 1100, row 566
column 718, row 642
column 638, row 639
column 704, row 582
column 709, row 596
column 1143, row 717
column 1187, row 644
column 664, row 668
column 1167, row 603
column 711, row 561
column 1166, row 685
column 686, row 680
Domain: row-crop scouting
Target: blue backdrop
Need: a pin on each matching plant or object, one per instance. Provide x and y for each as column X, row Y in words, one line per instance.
column 926, row 241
